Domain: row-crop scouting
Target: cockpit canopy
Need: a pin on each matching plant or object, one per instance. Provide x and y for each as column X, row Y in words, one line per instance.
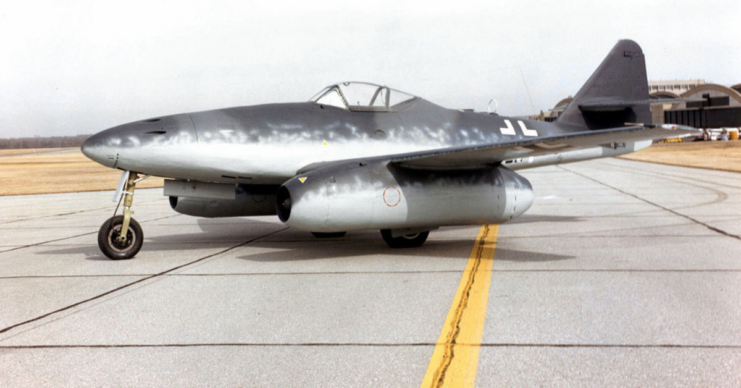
column 363, row 97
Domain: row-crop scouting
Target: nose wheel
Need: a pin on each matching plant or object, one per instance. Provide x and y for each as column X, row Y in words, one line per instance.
column 115, row 247
column 121, row 237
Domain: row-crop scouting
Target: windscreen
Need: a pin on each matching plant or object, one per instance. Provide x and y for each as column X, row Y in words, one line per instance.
column 363, row 97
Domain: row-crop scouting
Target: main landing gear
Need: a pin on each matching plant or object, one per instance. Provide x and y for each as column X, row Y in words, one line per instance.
column 394, row 240
column 329, row 235
column 121, row 237
column 412, row 240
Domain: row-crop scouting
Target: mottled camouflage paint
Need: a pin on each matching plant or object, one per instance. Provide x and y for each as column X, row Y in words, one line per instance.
column 441, row 165
column 268, row 144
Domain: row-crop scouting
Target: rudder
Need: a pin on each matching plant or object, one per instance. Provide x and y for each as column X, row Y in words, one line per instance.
column 615, row 94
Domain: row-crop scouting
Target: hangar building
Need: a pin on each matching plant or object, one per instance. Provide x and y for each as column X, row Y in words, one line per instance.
column 718, row 106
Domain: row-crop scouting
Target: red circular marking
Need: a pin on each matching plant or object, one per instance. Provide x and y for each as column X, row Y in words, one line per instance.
column 398, row 198
column 261, row 200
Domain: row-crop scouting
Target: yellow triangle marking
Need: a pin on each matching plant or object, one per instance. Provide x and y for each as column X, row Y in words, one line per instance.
column 325, row 143
column 302, row 179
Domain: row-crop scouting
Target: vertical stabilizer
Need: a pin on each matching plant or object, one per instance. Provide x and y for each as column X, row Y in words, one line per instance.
column 618, row 81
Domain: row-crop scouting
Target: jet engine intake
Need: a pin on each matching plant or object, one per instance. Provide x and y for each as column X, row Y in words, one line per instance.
column 380, row 195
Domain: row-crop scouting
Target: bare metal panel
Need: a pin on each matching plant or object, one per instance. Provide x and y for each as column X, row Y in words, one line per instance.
column 195, row 189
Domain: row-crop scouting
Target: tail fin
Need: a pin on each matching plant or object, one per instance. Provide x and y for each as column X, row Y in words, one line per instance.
column 617, row 92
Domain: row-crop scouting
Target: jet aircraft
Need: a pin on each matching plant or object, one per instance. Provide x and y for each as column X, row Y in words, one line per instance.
column 360, row 156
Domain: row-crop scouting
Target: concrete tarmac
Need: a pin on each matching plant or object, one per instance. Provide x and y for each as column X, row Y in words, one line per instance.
column 621, row 274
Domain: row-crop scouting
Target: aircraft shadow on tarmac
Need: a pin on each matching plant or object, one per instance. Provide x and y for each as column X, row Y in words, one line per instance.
column 530, row 218
column 295, row 245
column 213, row 232
column 513, row 255
column 454, row 249
column 355, row 245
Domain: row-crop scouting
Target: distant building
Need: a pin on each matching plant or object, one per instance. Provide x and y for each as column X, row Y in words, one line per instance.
column 715, row 106
column 553, row 114
column 675, row 87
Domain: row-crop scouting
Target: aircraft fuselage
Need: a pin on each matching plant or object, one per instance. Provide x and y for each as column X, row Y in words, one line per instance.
column 268, row 144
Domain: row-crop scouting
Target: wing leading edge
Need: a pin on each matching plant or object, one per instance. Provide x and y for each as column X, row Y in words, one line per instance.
column 488, row 154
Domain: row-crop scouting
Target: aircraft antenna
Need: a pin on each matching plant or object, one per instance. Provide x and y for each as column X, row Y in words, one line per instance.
column 527, row 89
column 496, row 106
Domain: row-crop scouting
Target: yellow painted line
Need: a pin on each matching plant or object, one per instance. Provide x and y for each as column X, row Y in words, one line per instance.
column 456, row 354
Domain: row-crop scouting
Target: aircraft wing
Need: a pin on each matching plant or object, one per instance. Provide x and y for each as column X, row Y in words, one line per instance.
column 484, row 154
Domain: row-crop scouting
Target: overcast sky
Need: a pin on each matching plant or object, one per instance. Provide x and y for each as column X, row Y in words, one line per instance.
column 78, row 67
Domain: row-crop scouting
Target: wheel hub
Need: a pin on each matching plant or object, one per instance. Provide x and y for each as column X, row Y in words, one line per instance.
column 121, row 246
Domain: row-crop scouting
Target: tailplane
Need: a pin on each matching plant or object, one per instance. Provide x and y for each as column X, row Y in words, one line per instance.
column 617, row 92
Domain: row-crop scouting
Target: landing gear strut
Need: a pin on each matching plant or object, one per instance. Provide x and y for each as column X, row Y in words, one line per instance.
column 121, row 237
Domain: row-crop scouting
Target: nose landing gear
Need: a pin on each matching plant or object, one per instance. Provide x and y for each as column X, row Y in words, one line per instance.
column 121, row 237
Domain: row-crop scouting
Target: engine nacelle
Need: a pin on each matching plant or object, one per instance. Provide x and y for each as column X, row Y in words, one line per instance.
column 250, row 200
column 362, row 196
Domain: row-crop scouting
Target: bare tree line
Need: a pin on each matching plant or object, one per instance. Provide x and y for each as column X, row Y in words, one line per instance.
column 43, row 142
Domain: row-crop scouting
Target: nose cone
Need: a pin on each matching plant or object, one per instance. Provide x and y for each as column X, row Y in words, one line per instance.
column 143, row 146
column 99, row 149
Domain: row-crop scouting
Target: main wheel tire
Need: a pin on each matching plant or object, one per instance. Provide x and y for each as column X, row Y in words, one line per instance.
column 110, row 230
column 407, row 241
column 329, row 235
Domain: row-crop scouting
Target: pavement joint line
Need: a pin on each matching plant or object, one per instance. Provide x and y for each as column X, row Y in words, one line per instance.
column 138, row 281
column 369, row 344
column 69, row 214
column 75, row 236
column 714, row 229
column 464, row 324
column 721, row 195
column 683, row 166
column 380, row 273
column 454, row 271
column 566, row 236
column 49, row 241
column 72, row 276
column 154, row 243
column 672, row 175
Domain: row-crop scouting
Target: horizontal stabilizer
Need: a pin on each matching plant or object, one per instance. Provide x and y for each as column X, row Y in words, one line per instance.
column 613, row 104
